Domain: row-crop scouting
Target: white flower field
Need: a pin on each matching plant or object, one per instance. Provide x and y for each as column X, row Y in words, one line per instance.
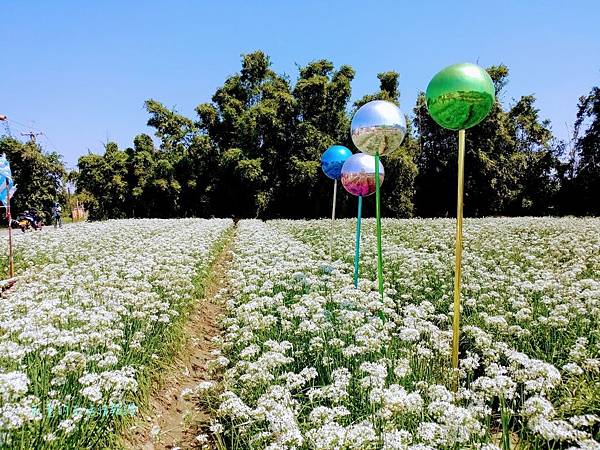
column 307, row 361
column 83, row 325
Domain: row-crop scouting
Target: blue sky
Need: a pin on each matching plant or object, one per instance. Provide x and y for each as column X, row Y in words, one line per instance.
column 80, row 70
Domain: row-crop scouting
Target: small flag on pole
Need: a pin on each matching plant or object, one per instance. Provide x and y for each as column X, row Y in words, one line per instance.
column 7, row 186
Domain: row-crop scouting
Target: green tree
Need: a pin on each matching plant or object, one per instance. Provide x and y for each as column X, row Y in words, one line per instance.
column 509, row 161
column 39, row 176
column 533, row 161
column 251, row 121
column 163, row 188
column 173, row 129
column 141, row 161
column 102, row 181
column 582, row 184
column 321, row 95
column 197, row 173
column 254, row 151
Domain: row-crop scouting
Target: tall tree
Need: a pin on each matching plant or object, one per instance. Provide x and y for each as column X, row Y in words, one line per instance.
column 582, row 191
column 141, row 161
column 176, row 134
column 321, row 97
column 533, row 161
column 509, row 160
column 197, row 173
column 39, row 176
column 270, row 137
column 102, row 181
column 173, row 129
column 249, row 120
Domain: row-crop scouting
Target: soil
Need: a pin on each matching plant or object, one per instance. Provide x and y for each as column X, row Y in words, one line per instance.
column 182, row 419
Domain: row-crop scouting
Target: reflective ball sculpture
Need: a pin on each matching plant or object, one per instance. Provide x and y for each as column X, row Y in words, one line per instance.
column 333, row 159
column 460, row 96
column 378, row 127
column 358, row 174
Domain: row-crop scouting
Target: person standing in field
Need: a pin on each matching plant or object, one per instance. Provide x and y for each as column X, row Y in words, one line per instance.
column 56, row 215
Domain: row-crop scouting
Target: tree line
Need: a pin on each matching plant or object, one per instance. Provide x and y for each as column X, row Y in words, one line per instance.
column 254, row 151
column 40, row 176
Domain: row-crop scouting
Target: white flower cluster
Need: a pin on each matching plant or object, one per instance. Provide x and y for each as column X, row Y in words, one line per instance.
column 89, row 312
column 313, row 362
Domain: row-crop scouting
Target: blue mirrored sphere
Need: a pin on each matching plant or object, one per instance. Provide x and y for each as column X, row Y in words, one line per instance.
column 333, row 159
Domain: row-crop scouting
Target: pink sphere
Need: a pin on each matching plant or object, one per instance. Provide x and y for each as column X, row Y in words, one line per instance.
column 358, row 174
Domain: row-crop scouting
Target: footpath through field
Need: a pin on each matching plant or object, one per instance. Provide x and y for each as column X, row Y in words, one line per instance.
column 174, row 417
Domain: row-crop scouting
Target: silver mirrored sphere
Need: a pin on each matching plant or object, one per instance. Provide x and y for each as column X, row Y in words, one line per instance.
column 378, row 127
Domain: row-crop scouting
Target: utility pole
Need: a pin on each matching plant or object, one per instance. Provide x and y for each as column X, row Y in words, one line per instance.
column 4, row 119
column 31, row 135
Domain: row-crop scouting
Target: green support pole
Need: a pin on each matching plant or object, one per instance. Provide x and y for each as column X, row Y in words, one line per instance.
column 378, row 219
column 357, row 245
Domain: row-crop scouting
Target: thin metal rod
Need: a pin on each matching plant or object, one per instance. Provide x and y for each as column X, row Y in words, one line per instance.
column 458, row 253
column 357, row 244
column 331, row 237
column 378, row 219
column 11, row 262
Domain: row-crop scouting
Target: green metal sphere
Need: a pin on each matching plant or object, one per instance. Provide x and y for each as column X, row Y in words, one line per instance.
column 460, row 96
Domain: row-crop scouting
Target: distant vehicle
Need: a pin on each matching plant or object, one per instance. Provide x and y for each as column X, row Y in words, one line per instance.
column 29, row 220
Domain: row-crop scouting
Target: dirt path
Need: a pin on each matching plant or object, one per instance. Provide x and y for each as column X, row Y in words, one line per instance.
column 181, row 419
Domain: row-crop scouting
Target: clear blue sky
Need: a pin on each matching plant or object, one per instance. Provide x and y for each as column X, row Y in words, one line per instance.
column 81, row 70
